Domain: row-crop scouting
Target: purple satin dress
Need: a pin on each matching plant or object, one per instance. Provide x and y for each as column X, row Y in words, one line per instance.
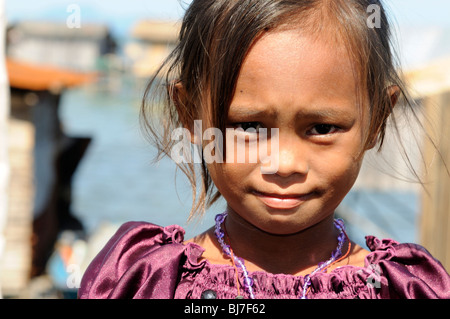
column 145, row 261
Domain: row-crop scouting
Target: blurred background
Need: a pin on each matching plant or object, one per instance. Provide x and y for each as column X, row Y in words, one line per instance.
column 74, row 164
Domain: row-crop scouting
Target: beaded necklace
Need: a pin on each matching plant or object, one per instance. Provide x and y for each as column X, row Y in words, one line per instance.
column 336, row 256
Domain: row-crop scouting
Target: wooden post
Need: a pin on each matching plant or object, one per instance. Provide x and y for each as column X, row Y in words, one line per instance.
column 435, row 218
column 4, row 114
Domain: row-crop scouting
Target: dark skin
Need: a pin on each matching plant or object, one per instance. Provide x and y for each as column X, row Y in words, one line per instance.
column 283, row 222
column 274, row 253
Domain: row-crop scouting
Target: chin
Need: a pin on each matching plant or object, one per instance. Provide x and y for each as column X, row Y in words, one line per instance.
column 293, row 221
column 282, row 224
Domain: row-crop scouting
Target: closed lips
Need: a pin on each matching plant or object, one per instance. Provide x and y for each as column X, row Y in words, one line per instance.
column 282, row 201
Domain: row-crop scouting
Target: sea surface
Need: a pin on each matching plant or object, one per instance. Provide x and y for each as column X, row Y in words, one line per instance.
column 116, row 181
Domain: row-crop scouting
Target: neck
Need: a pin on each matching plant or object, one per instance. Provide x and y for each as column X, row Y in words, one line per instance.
column 290, row 254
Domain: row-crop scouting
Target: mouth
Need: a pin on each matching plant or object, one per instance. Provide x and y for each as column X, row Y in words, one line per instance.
column 283, row 201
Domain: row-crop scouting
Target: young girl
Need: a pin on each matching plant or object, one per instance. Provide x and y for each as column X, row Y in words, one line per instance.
column 325, row 78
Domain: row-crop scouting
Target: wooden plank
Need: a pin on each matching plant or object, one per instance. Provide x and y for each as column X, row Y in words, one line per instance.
column 435, row 217
column 16, row 260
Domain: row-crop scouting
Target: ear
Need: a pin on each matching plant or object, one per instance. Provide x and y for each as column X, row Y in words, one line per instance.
column 373, row 141
column 393, row 94
column 179, row 96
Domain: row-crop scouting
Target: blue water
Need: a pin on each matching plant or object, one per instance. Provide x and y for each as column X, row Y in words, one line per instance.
column 116, row 181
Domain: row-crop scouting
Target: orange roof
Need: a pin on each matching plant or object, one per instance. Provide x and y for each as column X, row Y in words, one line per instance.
column 39, row 78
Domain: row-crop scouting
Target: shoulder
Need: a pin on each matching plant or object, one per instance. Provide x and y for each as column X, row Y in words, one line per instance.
column 136, row 256
column 406, row 270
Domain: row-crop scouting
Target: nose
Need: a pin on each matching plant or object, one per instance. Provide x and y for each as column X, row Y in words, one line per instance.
column 293, row 157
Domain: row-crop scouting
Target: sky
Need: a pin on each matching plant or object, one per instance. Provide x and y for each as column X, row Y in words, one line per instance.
column 416, row 20
column 420, row 12
column 121, row 13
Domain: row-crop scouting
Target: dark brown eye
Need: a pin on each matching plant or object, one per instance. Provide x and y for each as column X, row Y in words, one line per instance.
column 323, row 129
column 249, row 125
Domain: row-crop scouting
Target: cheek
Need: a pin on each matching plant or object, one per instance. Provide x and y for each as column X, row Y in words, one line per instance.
column 231, row 178
column 339, row 168
column 336, row 180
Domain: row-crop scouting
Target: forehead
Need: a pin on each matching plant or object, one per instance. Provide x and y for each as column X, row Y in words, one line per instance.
column 292, row 65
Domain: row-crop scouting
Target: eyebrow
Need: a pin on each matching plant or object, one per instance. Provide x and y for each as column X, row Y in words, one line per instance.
column 244, row 111
column 319, row 113
column 323, row 113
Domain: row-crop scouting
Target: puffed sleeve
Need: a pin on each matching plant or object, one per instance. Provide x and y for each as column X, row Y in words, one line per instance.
column 408, row 271
column 140, row 261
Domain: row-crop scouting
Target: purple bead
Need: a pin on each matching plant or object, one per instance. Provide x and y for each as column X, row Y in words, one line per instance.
column 339, row 223
column 336, row 254
column 248, row 282
column 239, row 260
column 219, row 218
column 219, row 234
column 226, row 249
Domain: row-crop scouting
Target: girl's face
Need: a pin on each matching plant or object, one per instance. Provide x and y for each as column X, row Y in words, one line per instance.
column 304, row 86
